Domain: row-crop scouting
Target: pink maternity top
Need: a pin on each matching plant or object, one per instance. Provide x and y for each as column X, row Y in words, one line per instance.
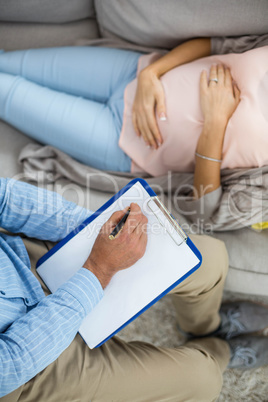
column 246, row 138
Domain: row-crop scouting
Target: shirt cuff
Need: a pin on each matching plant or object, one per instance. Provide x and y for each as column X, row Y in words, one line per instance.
column 84, row 287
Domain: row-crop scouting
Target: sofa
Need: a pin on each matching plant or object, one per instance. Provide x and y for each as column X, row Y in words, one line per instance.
column 147, row 25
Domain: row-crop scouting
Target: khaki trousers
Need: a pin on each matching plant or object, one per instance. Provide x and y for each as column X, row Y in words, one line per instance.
column 137, row 371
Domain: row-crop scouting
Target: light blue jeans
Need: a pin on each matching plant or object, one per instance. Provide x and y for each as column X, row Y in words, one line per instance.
column 71, row 98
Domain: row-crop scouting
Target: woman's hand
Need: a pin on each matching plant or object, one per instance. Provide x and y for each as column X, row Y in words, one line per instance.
column 219, row 95
column 149, row 97
column 219, row 99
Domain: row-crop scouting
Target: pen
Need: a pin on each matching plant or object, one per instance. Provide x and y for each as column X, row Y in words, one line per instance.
column 119, row 226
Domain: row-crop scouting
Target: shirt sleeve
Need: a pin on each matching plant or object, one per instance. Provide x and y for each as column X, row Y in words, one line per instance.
column 36, row 339
column 237, row 44
column 36, row 212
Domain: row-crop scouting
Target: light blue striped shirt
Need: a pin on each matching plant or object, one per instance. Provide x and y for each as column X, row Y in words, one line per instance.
column 34, row 329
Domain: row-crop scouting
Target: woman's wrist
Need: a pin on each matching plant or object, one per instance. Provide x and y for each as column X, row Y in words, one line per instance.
column 214, row 124
column 210, row 142
column 150, row 71
column 214, row 131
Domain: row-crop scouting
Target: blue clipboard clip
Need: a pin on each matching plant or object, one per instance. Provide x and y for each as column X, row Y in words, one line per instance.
column 167, row 221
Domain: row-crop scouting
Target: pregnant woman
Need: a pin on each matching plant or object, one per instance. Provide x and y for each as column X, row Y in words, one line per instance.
column 177, row 115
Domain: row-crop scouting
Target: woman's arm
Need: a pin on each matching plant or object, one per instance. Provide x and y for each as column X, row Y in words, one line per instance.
column 218, row 102
column 150, row 94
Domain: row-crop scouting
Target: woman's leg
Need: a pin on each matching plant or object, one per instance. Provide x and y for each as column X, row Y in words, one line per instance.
column 86, row 130
column 92, row 72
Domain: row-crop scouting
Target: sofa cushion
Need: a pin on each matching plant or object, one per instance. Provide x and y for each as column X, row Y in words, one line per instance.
column 164, row 24
column 16, row 36
column 248, row 260
column 11, row 142
column 46, row 11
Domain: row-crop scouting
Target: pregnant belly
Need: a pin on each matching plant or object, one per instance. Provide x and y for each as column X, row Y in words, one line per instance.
column 246, row 138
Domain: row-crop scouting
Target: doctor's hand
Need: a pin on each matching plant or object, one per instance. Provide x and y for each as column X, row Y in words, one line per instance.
column 109, row 256
column 150, row 98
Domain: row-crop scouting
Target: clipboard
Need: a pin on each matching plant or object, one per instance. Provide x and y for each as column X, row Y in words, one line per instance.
column 169, row 259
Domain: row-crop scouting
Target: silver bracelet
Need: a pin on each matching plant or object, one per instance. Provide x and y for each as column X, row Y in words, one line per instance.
column 209, row 159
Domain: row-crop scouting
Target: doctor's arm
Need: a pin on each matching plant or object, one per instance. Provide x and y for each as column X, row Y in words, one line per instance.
column 37, row 212
column 37, row 338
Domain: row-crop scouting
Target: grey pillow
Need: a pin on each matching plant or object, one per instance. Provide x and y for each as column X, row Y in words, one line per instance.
column 46, row 11
column 159, row 23
column 248, row 260
column 16, row 36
